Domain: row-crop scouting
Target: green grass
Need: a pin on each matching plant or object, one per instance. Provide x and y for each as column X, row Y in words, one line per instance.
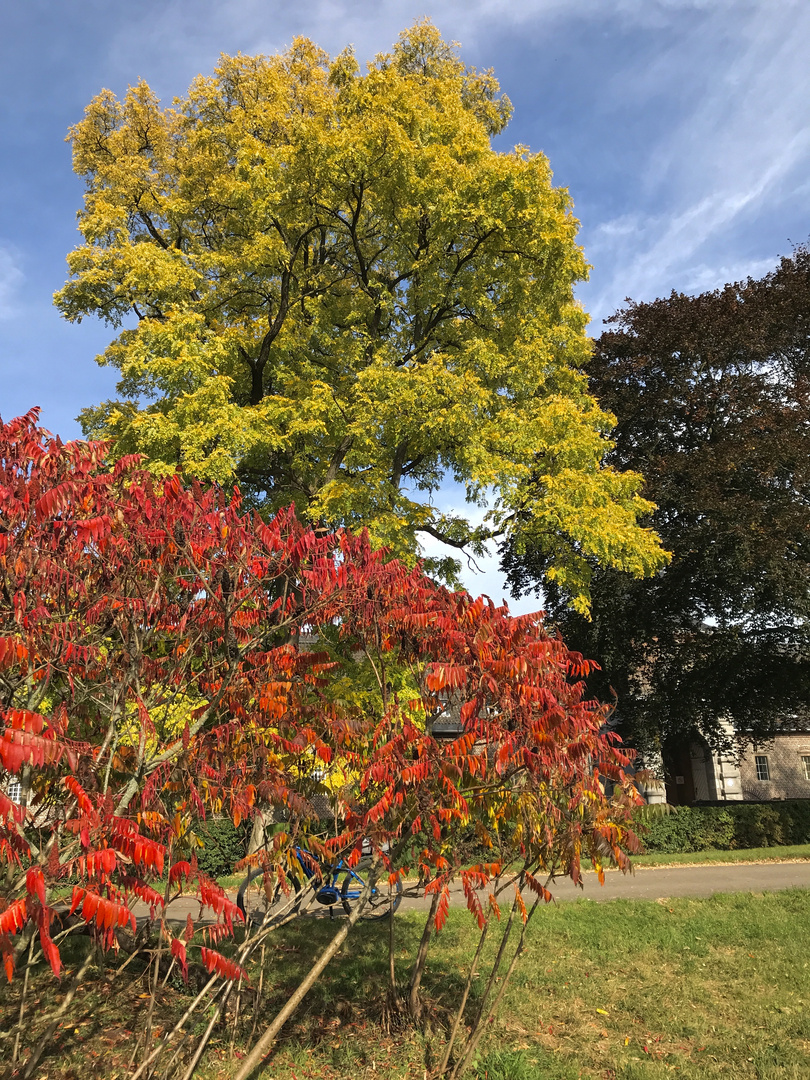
column 231, row 881
column 629, row 990
column 625, row 990
column 746, row 855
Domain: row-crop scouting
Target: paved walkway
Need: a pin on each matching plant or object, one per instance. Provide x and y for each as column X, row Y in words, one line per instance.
column 654, row 883
column 647, row 883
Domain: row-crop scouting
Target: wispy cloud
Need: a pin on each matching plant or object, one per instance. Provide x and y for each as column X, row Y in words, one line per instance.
column 681, row 127
column 11, row 279
column 648, row 254
column 708, row 276
column 727, row 78
column 179, row 32
column 730, row 159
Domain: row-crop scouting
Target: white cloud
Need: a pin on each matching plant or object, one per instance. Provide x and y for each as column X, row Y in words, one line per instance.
column 11, row 278
column 704, row 278
column 737, row 151
column 182, row 35
column 730, row 77
column 712, row 100
column 655, row 253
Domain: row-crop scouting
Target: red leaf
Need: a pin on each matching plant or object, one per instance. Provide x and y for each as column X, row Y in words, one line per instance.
column 35, row 884
column 442, row 908
column 14, row 917
column 178, row 950
column 178, row 871
column 76, row 789
column 227, row 969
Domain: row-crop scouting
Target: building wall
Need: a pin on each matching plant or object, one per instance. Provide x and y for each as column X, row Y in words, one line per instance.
column 704, row 772
column 786, row 771
column 697, row 774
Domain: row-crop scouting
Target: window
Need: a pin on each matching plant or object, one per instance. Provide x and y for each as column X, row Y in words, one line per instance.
column 763, row 772
column 14, row 790
column 806, row 765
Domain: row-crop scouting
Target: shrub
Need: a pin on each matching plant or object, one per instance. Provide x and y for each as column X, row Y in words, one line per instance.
column 224, row 845
column 688, row 828
column 727, row 827
column 759, row 825
column 798, row 817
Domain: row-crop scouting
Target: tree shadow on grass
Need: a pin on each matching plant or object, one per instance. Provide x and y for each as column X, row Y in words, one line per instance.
column 352, row 994
column 343, row 1013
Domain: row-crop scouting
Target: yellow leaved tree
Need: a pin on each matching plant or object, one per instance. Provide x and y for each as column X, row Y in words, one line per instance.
column 330, row 286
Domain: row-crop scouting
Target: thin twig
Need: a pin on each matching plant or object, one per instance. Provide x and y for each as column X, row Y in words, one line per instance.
column 460, row 1011
column 198, row 1053
column 264, row 931
column 129, row 960
column 421, row 958
column 269, row 1036
column 258, row 993
column 33, row 1061
column 175, row 1030
column 168, row 973
column 15, row 1051
column 476, row 1033
column 392, row 974
column 175, row 1055
column 478, row 1022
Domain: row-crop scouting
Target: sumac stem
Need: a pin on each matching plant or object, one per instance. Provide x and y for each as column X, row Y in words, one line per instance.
column 414, row 1004
column 16, row 1049
column 33, row 1061
column 463, row 1004
column 266, row 1040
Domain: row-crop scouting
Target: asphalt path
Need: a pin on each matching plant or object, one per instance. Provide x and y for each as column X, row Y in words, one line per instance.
column 658, row 883
column 646, row 883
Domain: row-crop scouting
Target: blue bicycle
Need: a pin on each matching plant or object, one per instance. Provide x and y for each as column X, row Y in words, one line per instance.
column 261, row 897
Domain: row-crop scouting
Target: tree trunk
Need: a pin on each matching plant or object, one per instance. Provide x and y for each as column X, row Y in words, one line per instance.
column 259, row 831
column 414, row 1004
column 463, row 1005
column 262, row 1047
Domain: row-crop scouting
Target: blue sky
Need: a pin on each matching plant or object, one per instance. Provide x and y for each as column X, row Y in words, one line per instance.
column 681, row 128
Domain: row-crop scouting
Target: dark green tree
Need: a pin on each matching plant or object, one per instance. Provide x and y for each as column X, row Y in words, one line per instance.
column 712, row 399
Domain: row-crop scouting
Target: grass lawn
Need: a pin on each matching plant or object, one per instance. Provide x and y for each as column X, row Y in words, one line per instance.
column 629, row 990
column 786, row 853
column 626, row 990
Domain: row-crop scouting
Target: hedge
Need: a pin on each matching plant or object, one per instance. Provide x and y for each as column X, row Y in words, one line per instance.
column 224, row 845
column 726, row 827
column 684, row 829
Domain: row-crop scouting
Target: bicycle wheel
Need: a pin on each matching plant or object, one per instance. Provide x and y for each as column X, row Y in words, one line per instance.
column 384, row 899
column 259, row 899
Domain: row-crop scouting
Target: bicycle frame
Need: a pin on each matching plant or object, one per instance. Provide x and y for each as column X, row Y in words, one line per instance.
column 337, row 884
column 330, row 892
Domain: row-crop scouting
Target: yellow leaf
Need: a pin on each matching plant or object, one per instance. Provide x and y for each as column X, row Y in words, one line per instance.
column 384, row 367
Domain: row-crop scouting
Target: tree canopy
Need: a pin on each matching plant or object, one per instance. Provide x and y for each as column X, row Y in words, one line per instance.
column 330, row 286
column 712, row 398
